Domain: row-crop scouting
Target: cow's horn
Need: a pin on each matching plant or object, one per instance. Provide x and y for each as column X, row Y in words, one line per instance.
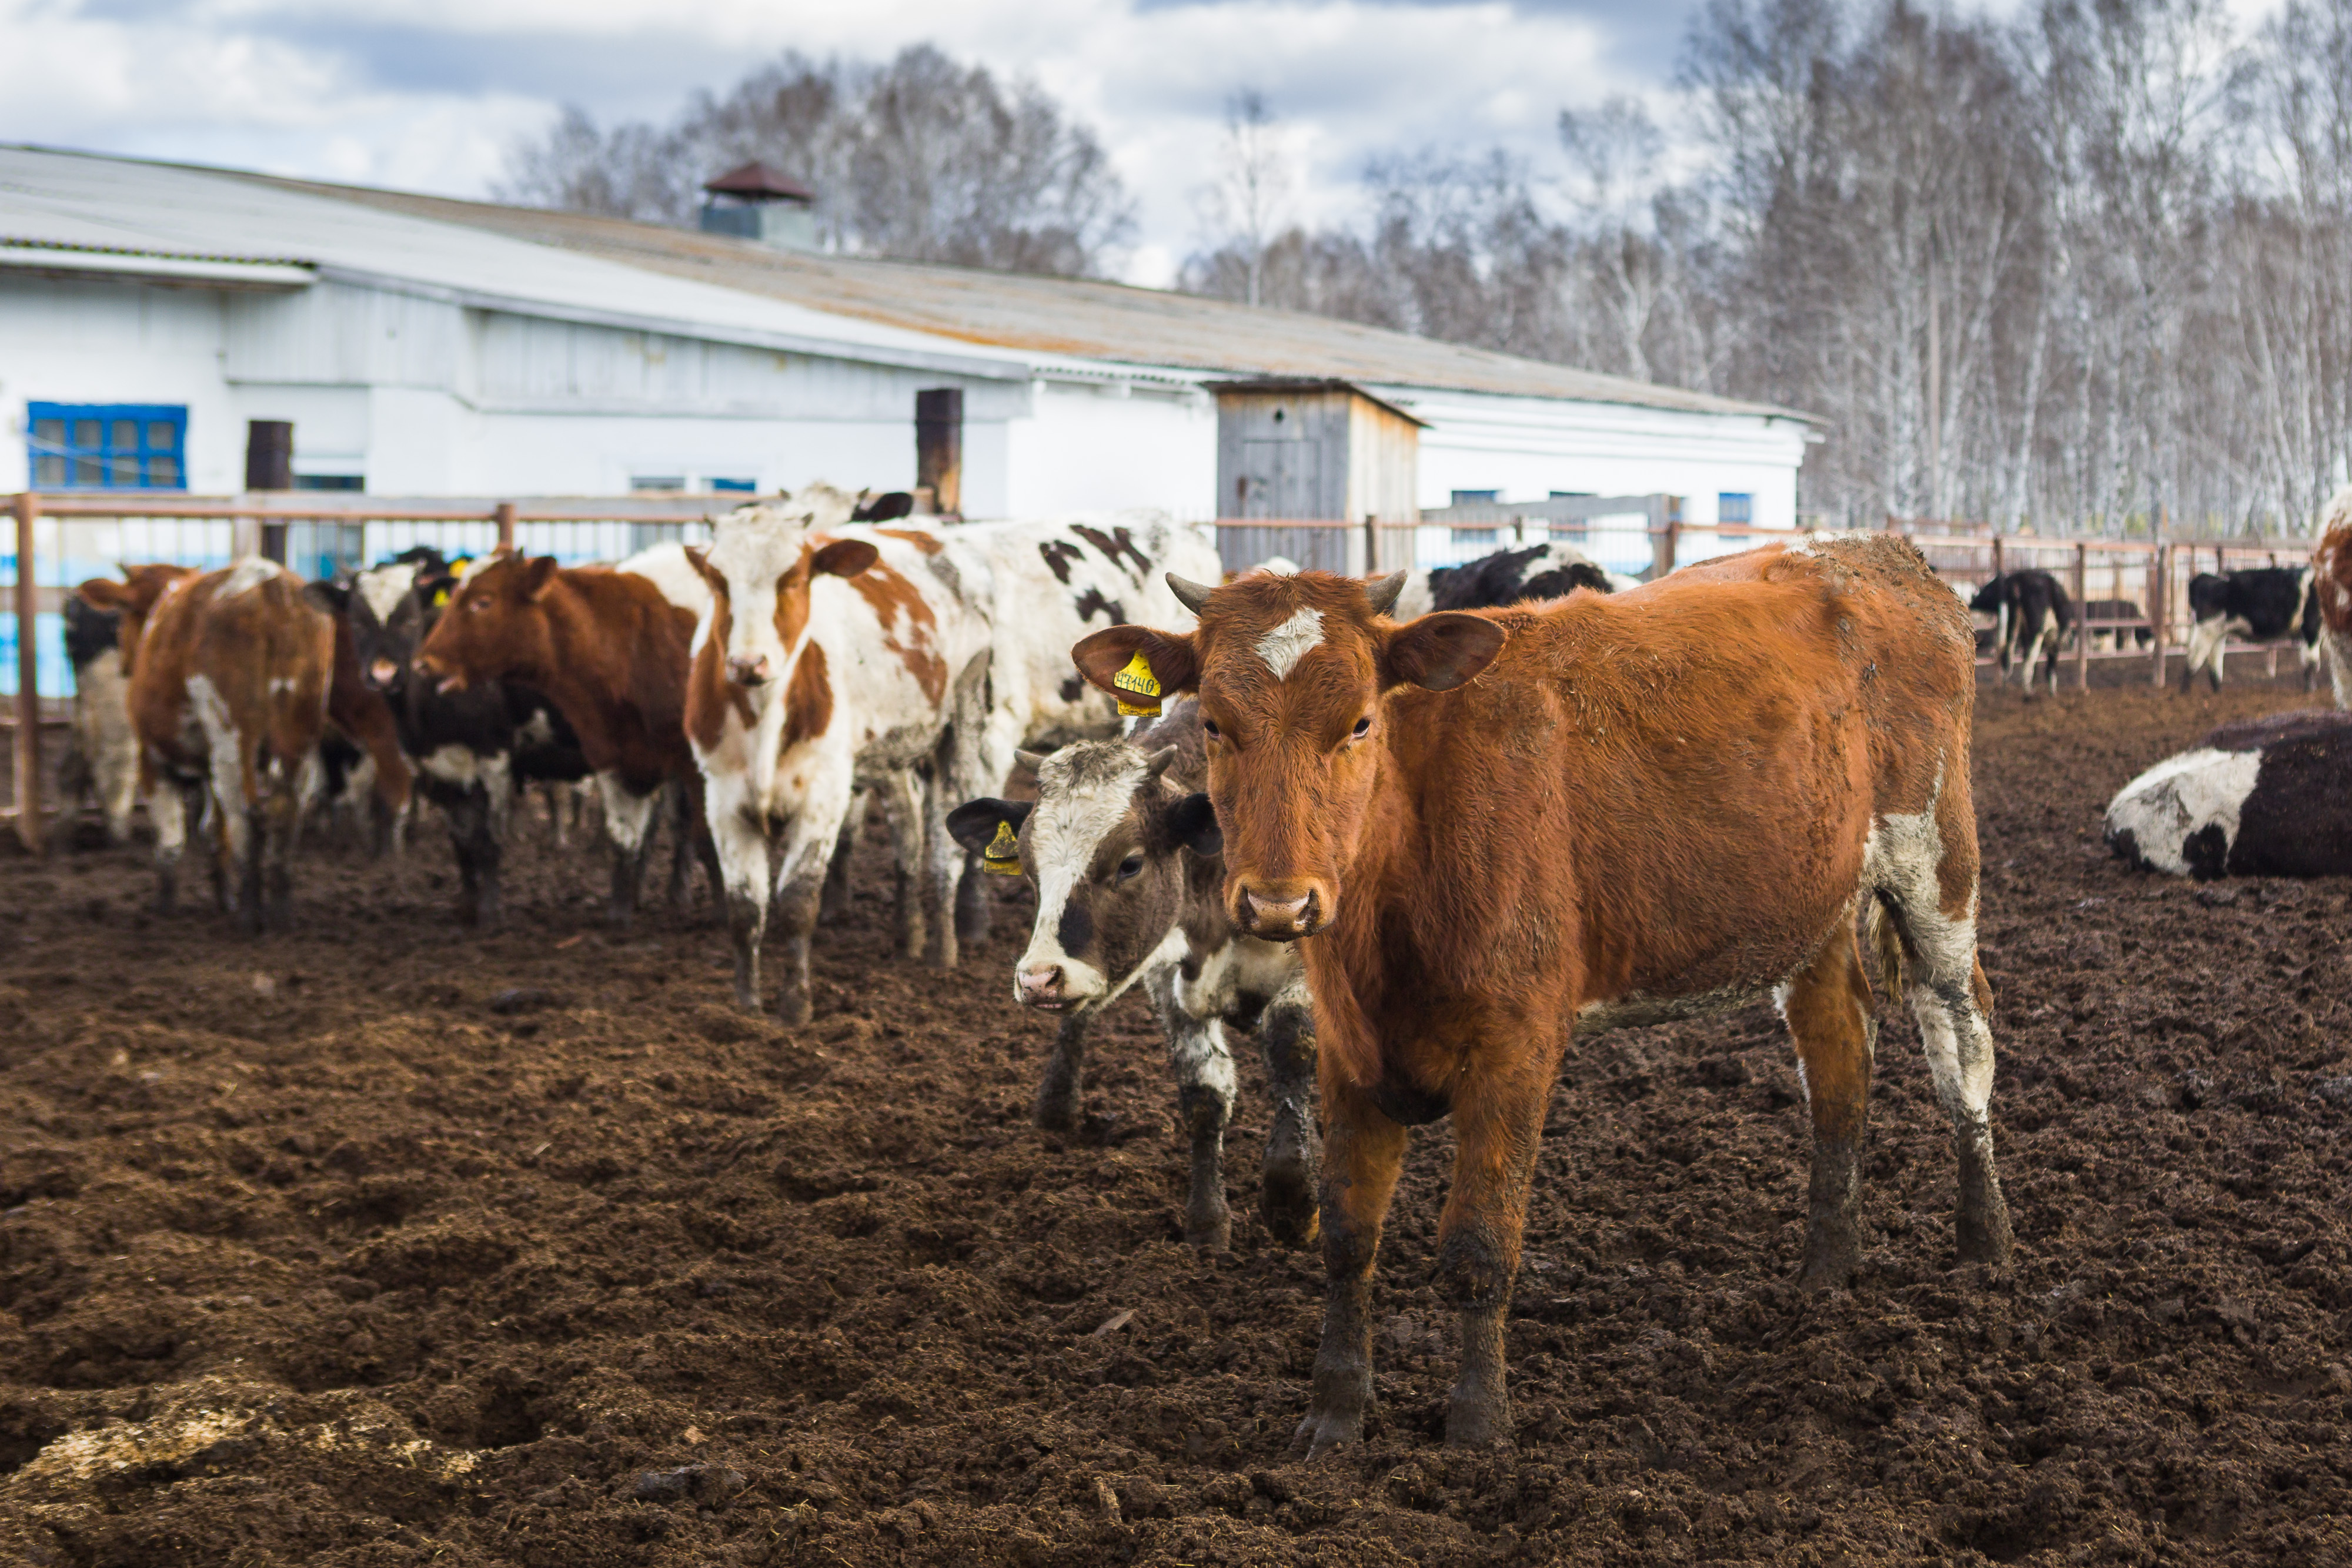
column 1157, row 763
column 1190, row 595
column 1031, row 760
column 1383, row 593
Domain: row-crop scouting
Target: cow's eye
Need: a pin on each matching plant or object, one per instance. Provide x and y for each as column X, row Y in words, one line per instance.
column 1363, row 726
column 476, row 605
column 1132, row 866
column 1212, row 731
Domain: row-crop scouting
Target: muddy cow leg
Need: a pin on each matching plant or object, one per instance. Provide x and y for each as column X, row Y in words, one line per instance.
column 902, row 808
column 973, row 912
column 835, row 903
column 1827, row 1006
column 1293, row 1150
column 739, row 842
column 1204, row 1075
column 1498, row 1126
column 1362, row 1153
column 167, row 803
column 628, row 823
column 475, row 842
column 682, row 845
column 1062, row 1089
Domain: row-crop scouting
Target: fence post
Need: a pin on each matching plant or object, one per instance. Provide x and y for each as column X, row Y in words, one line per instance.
column 2160, row 593
column 1664, row 552
column 29, row 685
column 2081, row 617
column 1996, row 555
column 506, row 516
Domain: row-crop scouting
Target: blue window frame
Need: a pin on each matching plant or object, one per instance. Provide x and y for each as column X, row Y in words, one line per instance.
column 1734, row 508
column 107, row 445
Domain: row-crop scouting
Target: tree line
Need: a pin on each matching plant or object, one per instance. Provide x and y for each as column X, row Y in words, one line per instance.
column 2081, row 269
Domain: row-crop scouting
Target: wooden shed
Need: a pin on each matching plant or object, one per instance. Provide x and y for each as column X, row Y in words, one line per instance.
column 1313, row 450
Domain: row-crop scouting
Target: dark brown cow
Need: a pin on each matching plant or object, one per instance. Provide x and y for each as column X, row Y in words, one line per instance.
column 229, row 681
column 610, row 651
column 1499, row 827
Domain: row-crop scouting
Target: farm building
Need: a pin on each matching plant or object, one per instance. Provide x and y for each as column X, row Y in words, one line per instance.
column 421, row 345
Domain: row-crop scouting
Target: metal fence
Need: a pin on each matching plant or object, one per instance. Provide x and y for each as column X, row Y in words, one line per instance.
column 69, row 539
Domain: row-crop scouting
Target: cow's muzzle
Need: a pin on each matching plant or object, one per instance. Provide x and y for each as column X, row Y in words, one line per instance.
column 1281, row 911
column 383, row 674
column 1044, row 986
column 443, row 681
column 748, row 671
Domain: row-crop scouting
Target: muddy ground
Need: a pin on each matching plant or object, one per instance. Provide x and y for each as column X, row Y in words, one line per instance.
column 383, row 1244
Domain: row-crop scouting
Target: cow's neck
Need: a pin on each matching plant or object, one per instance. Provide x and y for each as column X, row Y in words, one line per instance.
column 580, row 643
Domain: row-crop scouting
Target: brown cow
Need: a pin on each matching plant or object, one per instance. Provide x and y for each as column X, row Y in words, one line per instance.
column 229, row 681
column 2331, row 572
column 1503, row 826
column 610, row 651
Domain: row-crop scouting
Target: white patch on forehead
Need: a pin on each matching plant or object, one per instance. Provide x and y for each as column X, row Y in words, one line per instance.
column 247, row 575
column 1283, row 647
column 382, row 589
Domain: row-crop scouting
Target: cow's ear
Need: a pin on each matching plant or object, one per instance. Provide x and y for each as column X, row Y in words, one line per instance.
column 1140, row 666
column 538, row 577
column 699, row 558
column 334, row 598
column 1440, row 652
column 975, row 823
column 844, row 558
column 105, row 593
column 1192, row 824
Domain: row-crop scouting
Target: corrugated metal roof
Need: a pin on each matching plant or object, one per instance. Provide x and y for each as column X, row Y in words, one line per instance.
column 963, row 320
column 1076, row 318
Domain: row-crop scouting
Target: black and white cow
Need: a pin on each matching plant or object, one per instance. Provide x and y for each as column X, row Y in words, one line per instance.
column 473, row 748
column 2099, row 618
column 1515, row 576
column 2261, row 604
column 2031, row 613
column 2263, row 797
column 1128, row 865
column 105, row 755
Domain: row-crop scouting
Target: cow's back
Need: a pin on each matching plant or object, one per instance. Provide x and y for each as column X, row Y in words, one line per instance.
column 1624, row 757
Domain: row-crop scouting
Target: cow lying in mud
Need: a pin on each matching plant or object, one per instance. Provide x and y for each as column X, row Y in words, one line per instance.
column 1496, row 827
column 1126, row 858
column 2260, row 796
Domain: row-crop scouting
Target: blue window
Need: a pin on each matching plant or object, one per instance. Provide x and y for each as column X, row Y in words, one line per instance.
column 1474, row 498
column 108, row 445
column 1733, row 508
column 734, row 487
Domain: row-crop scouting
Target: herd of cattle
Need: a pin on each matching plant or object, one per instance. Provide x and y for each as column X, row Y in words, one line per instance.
column 1222, row 769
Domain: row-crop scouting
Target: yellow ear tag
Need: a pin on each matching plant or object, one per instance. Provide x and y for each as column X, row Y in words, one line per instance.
column 1003, row 855
column 1139, row 679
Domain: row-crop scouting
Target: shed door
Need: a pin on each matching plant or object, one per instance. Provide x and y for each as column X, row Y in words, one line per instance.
column 1285, row 478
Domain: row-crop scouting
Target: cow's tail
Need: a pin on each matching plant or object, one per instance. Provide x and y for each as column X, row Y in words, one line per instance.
column 1883, row 942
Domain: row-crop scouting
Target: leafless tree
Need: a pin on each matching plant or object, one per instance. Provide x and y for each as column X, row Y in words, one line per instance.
column 922, row 159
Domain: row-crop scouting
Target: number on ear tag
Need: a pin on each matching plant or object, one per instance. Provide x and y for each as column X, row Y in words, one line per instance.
column 1144, row 687
column 1003, row 855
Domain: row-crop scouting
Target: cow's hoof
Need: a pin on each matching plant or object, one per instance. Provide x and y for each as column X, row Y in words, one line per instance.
column 1057, row 1110
column 1477, row 1418
column 1326, row 1429
column 1210, row 1229
column 792, row 1009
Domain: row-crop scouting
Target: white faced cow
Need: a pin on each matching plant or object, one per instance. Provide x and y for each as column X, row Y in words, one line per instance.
column 1125, row 854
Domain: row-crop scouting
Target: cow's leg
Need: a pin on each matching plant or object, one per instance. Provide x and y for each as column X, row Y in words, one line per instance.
column 2310, row 660
column 972, row 910
column 628, row 823
column 290, row 792
column 902, row 808
column 799, row 885
column 835, row 902
column 1293, row 1150
column 2340, row 665
column 1061, row 1091
column 740, row 841
column 684, row 848
column 1497, row 1126
column 474, row 839
column 948, row 869
column 1362, row 1153
column 229, row 770
column 1205, row 1081
column 1827, row 1007
column 1951, row 1000
column 167, row 803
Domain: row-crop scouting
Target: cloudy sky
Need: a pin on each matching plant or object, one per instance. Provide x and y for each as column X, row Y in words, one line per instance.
column 432, row 100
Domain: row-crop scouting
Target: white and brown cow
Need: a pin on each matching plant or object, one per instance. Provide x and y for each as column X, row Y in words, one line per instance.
column 914, row 661
column 230, row 675
column 1124, row 856
column 2331, row 585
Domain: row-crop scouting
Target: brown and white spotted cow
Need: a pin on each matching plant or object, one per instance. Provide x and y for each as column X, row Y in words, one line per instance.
column 1493, row 829
column 1124, row 856
column 230, row 675
column 609, row 647
column 837, row 658
column 2331, row 572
